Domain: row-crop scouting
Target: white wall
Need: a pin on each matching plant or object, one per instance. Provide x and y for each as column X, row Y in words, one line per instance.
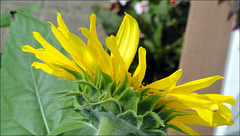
column 230, row 85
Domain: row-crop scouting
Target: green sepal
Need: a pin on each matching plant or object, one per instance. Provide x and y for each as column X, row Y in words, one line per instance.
column 102, row 97
column 68, row 99
column 162, row 105
column 132, row 118
column 68, row 94
column 112, row 125
column 153, row 132
column 144, row 92
column 90, row 91
column 129, row 99
column 76, row 74
column 113, row 87
column 80, row 99
column 166, row 114
column 122, row 87
column 69, row 125
column 105, row 82
column 69, row 106
column 60, row 92
column 151, row 120
column 173, row 116
column 175, row 128
column 96, row 78
column 147, row 104
column 110, row 105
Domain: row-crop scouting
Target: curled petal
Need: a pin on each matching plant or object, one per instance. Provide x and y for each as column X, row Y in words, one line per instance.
column 196, row 85
column 53, row 70
column 167, row 83
column 141, row 69
column 128, row 38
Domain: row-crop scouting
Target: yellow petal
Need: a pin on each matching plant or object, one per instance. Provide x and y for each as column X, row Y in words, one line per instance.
column 128, row 38
column 40, row 54
column 84, row 54
column 115, row 68
column 93, row 24
column 167, row 83
column 61, row 25
column 141, row 69
column 184, row 128
column 203, row 107
column 196, row 85
column 50, row 55
column 76, row 51
column 54, row 53
column 176, row 104
column 218, row 120
column 111, row 43
column 205, row 113
column 103, row 58
column 219, row 98
column 53, row 70
column 90, row 44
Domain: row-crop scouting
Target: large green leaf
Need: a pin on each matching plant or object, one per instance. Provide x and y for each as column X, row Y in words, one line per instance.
column 6, row 16
column 26, row 108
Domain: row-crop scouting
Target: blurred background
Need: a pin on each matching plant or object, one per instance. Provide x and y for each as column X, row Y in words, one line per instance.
column 201, row 37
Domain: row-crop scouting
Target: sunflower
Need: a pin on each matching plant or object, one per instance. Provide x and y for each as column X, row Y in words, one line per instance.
column 177, row 106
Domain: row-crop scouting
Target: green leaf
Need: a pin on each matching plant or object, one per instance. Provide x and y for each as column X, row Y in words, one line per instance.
column 151, row 120
column 162, row 9
column 78, row 126
column 157, row 36
column 6, row 16
column 27, row 108
column 131, row 117
column 147, row 104
column 129, row 99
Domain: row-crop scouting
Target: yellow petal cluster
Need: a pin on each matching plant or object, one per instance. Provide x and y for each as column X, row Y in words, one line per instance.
column 203, row 109
column 92, row 55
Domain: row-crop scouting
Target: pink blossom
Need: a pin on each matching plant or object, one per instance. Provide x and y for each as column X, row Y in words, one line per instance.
column 141, row 7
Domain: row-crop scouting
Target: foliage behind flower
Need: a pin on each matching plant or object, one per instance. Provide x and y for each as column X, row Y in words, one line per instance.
column 106, row 86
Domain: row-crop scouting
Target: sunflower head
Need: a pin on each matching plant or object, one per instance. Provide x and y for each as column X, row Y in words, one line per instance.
column 110, row 100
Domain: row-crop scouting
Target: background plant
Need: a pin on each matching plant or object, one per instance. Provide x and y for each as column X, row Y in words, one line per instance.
column 163, row 28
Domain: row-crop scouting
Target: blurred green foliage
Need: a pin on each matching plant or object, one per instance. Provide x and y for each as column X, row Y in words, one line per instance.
column 163, row 27
column 6, row 17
